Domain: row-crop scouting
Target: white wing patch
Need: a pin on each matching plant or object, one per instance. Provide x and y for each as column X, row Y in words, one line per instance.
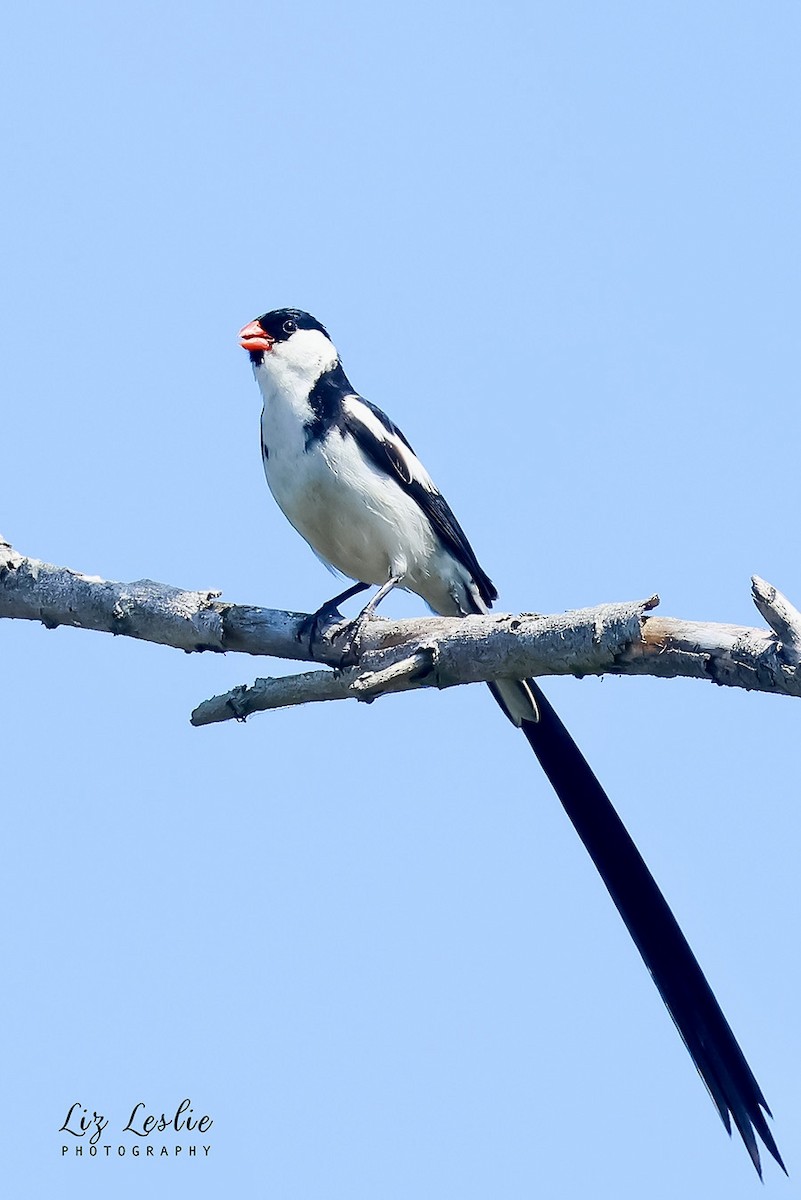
column 407, row 461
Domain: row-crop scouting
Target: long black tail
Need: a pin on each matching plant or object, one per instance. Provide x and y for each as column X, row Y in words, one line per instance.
column 664, row 948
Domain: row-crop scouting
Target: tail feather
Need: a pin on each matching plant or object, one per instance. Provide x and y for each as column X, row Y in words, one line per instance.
column 516, row 699
column 655, row 931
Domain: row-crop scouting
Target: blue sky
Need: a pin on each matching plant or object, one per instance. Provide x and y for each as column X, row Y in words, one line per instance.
column 560, row 245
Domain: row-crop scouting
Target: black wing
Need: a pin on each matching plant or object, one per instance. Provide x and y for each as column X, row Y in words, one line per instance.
column 384, row 445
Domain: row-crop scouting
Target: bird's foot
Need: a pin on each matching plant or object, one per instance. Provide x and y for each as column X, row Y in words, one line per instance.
column 312, row 629
column 315, row 626
column 353, row 633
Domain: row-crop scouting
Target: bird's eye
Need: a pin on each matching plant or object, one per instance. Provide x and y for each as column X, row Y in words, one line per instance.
column 289, row 326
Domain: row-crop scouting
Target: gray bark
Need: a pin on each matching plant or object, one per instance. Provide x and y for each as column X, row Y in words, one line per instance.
column 620, row 639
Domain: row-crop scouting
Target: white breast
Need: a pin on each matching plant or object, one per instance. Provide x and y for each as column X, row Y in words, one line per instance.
column 355, row 517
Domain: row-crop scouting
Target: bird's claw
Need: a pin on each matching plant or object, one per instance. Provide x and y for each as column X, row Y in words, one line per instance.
column 351, row 651
column 312, row 628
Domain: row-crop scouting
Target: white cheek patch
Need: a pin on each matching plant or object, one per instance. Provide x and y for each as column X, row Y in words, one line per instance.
column 288, row 372
column 413, row 469
column 307, row 352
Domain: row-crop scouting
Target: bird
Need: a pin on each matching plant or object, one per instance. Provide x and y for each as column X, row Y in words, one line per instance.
column 349, row 482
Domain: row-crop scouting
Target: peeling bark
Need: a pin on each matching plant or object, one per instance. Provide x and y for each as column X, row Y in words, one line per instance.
column 620, row 639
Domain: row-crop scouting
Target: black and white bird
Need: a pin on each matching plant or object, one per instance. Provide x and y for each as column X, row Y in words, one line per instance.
column 349, row 482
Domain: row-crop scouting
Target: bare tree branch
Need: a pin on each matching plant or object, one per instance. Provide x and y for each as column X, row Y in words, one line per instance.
column 437, row 652
column 779, row 613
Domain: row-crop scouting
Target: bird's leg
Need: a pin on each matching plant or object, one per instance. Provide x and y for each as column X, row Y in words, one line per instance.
column 314, row 624
column 350, row 654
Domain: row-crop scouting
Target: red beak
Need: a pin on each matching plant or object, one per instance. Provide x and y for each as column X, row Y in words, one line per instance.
column 253, row 337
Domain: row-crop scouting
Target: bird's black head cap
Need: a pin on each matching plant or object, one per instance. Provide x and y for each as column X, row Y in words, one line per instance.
column 281, row 323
